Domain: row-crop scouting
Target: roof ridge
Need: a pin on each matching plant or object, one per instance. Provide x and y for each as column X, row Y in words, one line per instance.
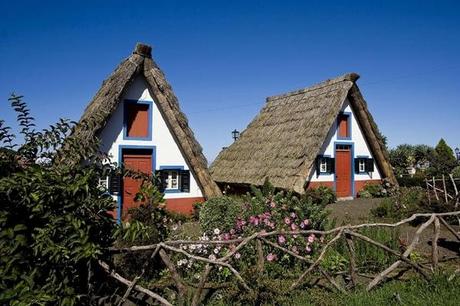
column 351, row 77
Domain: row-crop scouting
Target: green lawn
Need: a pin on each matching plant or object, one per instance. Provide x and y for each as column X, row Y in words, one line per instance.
column 440, row 291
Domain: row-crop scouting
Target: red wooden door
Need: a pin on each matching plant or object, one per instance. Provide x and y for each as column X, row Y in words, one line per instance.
column 343, row 171
column 136, row 161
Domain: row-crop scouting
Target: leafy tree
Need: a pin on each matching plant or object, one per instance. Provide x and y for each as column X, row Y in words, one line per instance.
column 54, row 219
column 444, row 160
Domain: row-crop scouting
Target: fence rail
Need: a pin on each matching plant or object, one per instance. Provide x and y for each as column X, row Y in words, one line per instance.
column 348, row 232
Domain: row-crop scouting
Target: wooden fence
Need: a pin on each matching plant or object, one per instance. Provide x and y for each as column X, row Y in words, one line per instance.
column 348, row 232
column 437, row 188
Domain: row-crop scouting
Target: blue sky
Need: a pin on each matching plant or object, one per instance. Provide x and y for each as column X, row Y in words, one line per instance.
column 223, row 58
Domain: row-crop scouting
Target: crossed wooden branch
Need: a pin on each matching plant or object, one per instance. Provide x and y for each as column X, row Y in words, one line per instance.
column 347, row 231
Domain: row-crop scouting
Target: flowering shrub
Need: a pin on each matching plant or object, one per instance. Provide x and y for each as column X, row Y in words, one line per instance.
column 263, row 210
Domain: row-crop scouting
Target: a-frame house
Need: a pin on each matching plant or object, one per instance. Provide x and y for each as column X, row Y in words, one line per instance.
column 137, row 117
column 321, row 135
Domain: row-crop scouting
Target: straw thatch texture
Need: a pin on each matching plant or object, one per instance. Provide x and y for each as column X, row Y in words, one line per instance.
column 110, row 94
column 282, row 142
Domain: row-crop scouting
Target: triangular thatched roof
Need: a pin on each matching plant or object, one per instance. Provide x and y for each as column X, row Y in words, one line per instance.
column 283, row 140
column 109, row 96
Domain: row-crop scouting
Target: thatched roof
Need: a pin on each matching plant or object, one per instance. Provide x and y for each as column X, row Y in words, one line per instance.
column 283, row 140
column 109, row 96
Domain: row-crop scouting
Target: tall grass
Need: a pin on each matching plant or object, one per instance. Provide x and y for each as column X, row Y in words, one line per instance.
column 369, row 258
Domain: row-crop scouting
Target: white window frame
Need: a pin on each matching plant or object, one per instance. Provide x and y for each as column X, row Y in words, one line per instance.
column 322, row 165
column 362, row 165
column 171, row 183
column 103, row 183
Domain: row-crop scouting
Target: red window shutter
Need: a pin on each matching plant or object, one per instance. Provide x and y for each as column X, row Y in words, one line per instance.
column 137, row 120
column 342, row 123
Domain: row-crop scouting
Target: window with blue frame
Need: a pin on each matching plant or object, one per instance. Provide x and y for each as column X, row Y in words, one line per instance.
column 137, row 120
column 174, row 179
column 344, row 126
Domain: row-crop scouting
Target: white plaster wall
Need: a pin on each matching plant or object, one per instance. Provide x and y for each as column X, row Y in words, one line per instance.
column 361, row 148
column 167, row 150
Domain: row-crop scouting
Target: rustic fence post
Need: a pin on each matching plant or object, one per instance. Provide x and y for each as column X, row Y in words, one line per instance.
column 445, row 188
column 260, row 256
column 351, row 250
column 455, row 189
column 428, row 194
column 434, row 188
column 434, row 243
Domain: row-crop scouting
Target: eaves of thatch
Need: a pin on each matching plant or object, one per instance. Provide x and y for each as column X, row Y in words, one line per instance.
column 109, row 96
column 283, row 140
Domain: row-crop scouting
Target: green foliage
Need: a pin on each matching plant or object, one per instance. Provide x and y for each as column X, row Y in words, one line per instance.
column 405, row 155
column 221, row 213
column 456, row 172
column 407, row 201
column 444, row 160
column 322, row 195
column 418, row 180
column 415, row 291
column 53, row 218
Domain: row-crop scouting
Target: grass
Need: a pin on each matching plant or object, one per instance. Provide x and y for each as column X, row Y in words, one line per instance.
column 439, row 291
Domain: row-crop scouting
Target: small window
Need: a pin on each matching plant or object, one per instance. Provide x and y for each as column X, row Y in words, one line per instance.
column 174, row 180
column 343, row 126
column 103, row 183
column 137, row 120
column 364, row 165
column 324, row 165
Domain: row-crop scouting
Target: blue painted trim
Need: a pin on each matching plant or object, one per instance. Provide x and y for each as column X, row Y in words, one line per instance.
column 362, row 156
column 171, row 167
column 348, row 114
column 352, row 170
column 120, row 162
column 125, row 119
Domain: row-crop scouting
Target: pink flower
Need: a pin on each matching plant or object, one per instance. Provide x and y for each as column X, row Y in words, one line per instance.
column 308, row 249
column 254, row 220
column 302, row 225
column 271, row 257
column 293, row 227
column 311, row 238
column 293, row 215
column 226, row 236
column 272, row 204
column 281, row 239
column 306, row 222
column 232, row 232
column 237, row 255
column 287, row 220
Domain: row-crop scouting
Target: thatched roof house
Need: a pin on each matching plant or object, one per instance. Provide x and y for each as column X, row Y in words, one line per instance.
column 294, row 140
column 137, row 99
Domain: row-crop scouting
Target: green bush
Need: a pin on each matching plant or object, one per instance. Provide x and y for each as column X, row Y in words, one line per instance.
column 408, row 181
column 456, row 172
column 372, row 191
column 322, row 195
column 54, row 218
column 404, row 203
column 220, row 213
